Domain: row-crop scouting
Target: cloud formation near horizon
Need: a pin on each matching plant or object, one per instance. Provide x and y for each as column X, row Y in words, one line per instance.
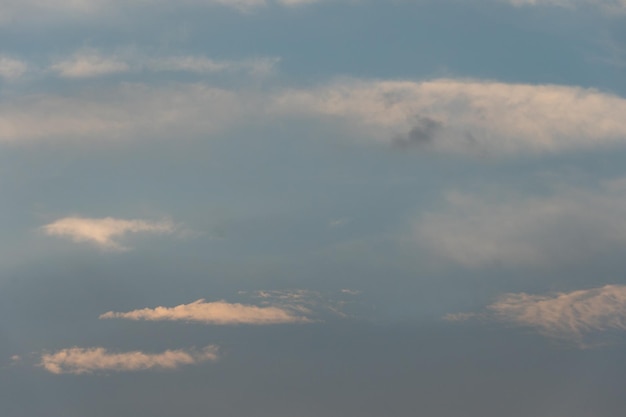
column 88, row 360
column 103, row 232
column 566, row 314
column 216, row 312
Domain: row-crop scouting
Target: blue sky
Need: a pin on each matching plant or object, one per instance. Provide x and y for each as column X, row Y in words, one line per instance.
column 312, row 208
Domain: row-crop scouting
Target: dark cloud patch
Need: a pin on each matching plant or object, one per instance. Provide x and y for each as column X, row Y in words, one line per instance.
column 422, row 133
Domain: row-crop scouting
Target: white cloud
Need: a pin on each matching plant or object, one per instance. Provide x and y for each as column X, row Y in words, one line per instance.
column 468, row 115
column 571, row 224
column 217, row 312
column 88, row 360
column 103, row 232
column 570, row 314
column 445, row 115
column 11, row 68
column 89, row 63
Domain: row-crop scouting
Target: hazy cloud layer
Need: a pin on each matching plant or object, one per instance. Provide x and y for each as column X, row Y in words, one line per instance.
column 124, row 111
column 103, row 232
column 505, row 228
column 37, row 10
column 217, row 312
column 444, row 114
column 11, row 68
column 609, row 5
column 88, row 360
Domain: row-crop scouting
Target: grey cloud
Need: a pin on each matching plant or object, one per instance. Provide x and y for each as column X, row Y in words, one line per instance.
column 423, row 132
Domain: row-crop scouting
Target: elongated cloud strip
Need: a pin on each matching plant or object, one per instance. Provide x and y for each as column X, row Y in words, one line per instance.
column 124, row 112
column 102, row 232
column 469, row 116
column 505, row 228
column 38, row 10
column 88, row 360
column 89, row 63
column 217, row 312
column 609, row 5
column 445, row 115
column 566, row 314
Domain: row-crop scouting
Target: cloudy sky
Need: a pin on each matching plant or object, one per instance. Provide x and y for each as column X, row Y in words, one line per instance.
column 312, row 208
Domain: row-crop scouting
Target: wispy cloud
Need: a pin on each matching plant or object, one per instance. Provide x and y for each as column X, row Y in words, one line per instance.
column 217, row 312
column 91, row 62
column 575, row 315
column 504, row 228
column 567, row 314
column 609, row 5
column 103, row 232
column 11, row 68
column 58, row 10
column 89, row 360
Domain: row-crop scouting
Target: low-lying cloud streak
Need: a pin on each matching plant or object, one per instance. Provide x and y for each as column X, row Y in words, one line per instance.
column 91, row 63
column 567, row 314
column 102, row 232
column 217, row 312
column 89, row 360
column 571, row 315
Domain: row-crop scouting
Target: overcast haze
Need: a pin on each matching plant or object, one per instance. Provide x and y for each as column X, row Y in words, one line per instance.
column 312, row 208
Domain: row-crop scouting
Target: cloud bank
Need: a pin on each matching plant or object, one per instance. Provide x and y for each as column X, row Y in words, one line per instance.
column 445, row 115
column 217, row 312
column 504, row 228
column 88, row 360
column 102, row 232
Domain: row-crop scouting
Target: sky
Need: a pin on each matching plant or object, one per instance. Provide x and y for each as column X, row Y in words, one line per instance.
column 312, row 208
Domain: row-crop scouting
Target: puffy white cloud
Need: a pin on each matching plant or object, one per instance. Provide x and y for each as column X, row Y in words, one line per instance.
column 11, row 68
column 217, row 312
column 103, row 232
column 571, row 314
column 88, row 360
column 506, row 228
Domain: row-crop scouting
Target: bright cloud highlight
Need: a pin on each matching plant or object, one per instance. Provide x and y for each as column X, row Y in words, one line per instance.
column 89, row 360
column 103, row 232
column 217, row 312
column 566, row 314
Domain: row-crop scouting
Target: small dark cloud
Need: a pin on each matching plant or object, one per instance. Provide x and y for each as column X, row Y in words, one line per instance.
column 423, row 132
